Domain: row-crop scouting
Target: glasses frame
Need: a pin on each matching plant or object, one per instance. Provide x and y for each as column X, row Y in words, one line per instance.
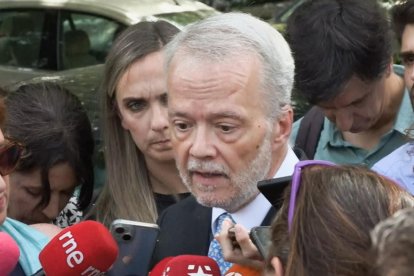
column 4, row 148
column 296, row 177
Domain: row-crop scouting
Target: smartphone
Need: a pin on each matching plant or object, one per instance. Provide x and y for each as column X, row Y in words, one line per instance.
column 273, row 189
column 136, row 242
column 260, row 236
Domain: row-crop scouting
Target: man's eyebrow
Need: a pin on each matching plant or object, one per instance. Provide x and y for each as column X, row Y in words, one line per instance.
column 227, row 114
column 177, row 114
column 224, row 114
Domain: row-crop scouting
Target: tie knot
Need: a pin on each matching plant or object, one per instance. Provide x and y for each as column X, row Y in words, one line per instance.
column 219, row 221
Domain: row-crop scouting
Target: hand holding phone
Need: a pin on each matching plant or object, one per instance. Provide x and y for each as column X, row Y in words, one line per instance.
column 261, row 237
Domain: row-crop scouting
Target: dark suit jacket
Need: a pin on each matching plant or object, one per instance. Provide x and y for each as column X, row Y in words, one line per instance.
column 186, row 229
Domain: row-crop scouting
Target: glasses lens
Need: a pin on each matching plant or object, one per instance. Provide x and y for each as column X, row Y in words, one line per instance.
column 9, row 157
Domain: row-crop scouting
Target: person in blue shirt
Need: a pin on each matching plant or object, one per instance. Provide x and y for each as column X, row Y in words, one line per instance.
column 399, row 165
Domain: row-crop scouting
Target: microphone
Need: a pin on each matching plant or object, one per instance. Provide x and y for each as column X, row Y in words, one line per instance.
column 158, row 269
column 9, row 254
column 86, row 249
column 239, row 270
column 185, row 265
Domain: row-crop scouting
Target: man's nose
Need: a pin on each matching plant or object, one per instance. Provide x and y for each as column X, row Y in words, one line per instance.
column 343, row 120
column 202, row 145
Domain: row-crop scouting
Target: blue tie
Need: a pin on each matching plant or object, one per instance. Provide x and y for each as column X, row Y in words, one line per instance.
column 214, row 250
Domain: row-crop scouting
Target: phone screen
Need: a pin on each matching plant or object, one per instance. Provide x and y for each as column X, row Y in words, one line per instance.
column 136, row 242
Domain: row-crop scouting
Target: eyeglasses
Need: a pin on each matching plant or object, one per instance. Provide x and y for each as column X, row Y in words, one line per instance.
column 296, row 184
column 10, row 152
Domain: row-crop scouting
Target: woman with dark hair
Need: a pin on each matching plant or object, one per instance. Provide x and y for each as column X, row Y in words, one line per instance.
column 141, row 176
column 56, row 132
column 30, row 238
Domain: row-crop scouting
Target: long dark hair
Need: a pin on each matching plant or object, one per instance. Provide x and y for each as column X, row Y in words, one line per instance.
column 54, row 128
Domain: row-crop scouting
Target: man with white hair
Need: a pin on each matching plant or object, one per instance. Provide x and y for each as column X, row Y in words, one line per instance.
column 229, row 80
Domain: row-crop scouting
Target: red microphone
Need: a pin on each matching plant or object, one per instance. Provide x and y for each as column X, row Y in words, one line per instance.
column 187, row 264
column 9, row 254
column 86, row 248
column 239, row 270
column 158, row 269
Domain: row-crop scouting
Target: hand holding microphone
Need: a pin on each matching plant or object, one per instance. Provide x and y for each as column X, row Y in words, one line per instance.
column 9, row 254
column 86, row 249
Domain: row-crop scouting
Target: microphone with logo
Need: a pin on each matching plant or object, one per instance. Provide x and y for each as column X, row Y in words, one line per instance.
column 186, row 265
column 86, row 249
column 9, row 254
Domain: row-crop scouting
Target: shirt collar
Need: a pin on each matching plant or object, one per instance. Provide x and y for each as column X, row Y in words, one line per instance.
column 254, row 212
column 403, row 121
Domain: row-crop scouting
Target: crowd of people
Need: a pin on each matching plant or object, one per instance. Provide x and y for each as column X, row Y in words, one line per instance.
column 194, row 118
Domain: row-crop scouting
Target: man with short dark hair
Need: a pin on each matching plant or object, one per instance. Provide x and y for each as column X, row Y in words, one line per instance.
column 343, row 61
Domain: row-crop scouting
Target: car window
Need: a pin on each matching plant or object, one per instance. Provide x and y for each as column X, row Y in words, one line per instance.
column 21, row 38
column 86, row 39
column 184, row 18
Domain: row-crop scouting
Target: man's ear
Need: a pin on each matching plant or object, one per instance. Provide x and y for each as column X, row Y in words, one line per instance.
column 277, row 266
column 282, row 126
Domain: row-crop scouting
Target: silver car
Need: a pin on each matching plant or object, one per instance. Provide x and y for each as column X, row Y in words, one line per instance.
column 42, row 36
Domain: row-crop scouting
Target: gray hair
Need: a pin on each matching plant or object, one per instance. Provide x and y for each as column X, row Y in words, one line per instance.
column 393, row 244
column 235, row 35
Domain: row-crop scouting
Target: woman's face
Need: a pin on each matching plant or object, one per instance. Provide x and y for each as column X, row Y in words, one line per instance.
column 4, row 190
column 141, row 97
column 27, row 190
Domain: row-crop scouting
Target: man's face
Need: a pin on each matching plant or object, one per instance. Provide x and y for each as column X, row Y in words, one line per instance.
column 358, row 107
column 407, row 56
column 221, row 138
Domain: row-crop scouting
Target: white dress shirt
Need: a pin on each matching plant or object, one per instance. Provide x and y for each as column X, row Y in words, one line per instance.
column 254, row 212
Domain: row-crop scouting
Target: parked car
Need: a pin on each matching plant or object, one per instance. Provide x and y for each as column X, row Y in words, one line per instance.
column 42, row 36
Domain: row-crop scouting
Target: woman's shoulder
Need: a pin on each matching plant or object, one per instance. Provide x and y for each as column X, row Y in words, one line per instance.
column 49, row 230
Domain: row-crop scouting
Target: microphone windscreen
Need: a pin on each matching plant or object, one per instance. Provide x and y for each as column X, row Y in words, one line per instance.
column 86, row 248
column 9, row 254
column 239, row 270
column 159, row 268
column 187, row 264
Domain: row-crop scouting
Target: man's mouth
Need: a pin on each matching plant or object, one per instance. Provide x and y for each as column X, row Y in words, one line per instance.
column 163, row 141
column 209, row 174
